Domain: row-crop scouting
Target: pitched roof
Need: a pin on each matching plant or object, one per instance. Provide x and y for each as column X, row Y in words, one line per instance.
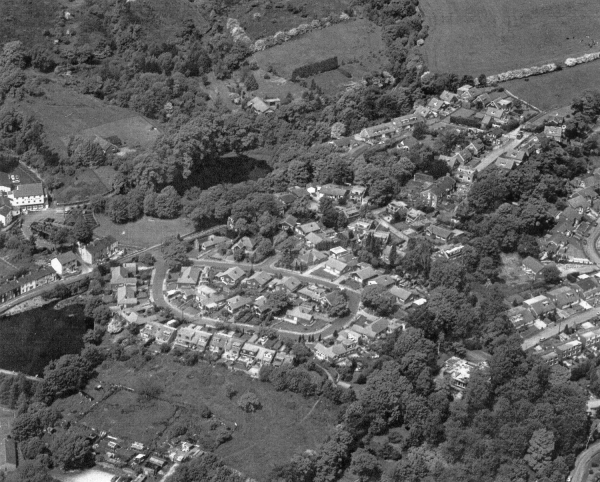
column 27, row 190
column 336, row 264
column 309, row 228
column 366, row 273
column 67, row 257
column 235, row 273
column 400, row 293
column 261, row 277
column 533, row 264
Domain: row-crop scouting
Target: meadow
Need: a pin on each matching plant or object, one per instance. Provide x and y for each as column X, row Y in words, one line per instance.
column 286, row 424
column 27, row 20
column 79, row 187
column 492, row 36
column 358, row 42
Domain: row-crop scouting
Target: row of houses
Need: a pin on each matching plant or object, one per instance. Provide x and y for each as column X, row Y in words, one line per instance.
column 10, row 289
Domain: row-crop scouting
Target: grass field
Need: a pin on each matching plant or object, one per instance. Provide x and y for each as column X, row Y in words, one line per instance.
column 556, row 89
column 6, row 419
column 359, row 41
column 64, row 113
column 492, row 36
column 27, row 20
column 79, row 187
column 144, row 232
column 286, row 424
column 272, row 20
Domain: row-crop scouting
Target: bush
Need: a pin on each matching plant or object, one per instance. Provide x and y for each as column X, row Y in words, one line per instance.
column 249, row 402
column 315, row 68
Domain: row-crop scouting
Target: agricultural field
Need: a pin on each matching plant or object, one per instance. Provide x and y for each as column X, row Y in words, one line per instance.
column 491, row 36
column 286, row 424
column 357, row 43
column 65, row 113
column 144, row 232
column 556, row 89
column 79, row 187
column 261, row 20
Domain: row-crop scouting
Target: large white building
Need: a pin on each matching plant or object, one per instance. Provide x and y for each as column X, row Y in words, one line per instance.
column 28, row 197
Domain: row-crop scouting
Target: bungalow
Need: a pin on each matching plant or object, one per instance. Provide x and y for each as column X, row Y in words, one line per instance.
column 305, row 229
column 364, row 275
column 540, row 305
column 213, row 242
column 384, row 280
column 438, row 232
column 517, row 156
column 245, row 244
column 336, row 267
column 338, row 252
column 258, row 281
column 332, row 191
column 403, row 297
column 290, row 284
column 563, row 297
column 299, row 314
column 65, row 263
column 190, row 275
column 554, row 133
column 98, row 250
column 232, row 276
column 532, row 266
column 238, row 302
column 288, row 223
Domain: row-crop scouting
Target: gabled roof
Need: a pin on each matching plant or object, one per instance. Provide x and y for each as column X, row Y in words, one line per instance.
column 261, row 277
column 533, row 264
column 235, row 273
column 336, row 264
column 314, row 238
column 400, row 293
column 67, row 257
column 27, row 190
column 290, row 283
column 366, row 273
column 309, row 228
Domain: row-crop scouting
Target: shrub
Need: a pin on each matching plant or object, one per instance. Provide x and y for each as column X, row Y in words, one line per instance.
column 249, row 402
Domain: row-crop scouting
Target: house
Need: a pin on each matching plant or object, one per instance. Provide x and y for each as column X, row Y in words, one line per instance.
column 232, row 276
column 36, row 278
column 288, row 223
column 385, row 280
column 190, row 275
column 435, row 104
column 258, row 281
column 238, row 302
column 5, row 182
column 521, row 317
column 8, row 291
column 310, row 258
column 370, row 329
column 458, row 371
column 433, row 196
column 163, row 334
column 245, row 244
column 554, row 133
column 495, row 114
column 532, row 266
column 6, row 211
column 551, row 358
column 338, row 252
column 98, row 250
column 424, row 112
column 28, row 197
column 260, row 106
column 377, row 131
column 299, row 314
column 540, row 305
column 449, row 97
column 575, row 254
column 587, row 287
column 336, row 267
column 395, row 206
column 308, row 228
column 313, row 240
column 332, row 191
column 570, row 349
column 563, row 297
column 120, row 276
column 219, row 342
column 403, row 297
column 476, row 147
column 126, row 296
column 290, row 284
column 464, row 92
column 466, row 173
column 65, row 263
column 364, row 275
column 503, row 163
column 329, row 353
column 213, row 242
column 312, row 293
column 192, row 337
column 407, row 121
column 484, row 99
column 589, row 338
column 350, row 212
column 438, row 232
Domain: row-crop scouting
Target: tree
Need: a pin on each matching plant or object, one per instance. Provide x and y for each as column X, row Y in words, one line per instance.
column 541, row 447
column 550, row 274
column 148, row 388
column 447, row 273
column 250, row 82
column 249, row 402
column 379, row 299
column 72, row 451
column 82, row 230
column 264, row 249
column 116, row 209
column 365, row 465
column 168, row 203
column 338, row 304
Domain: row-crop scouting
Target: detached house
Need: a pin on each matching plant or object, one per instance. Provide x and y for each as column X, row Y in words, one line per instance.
column 305, row 229
column 336, row 267
column 244, row 245
column 540, row 305
column 236, row 303
column 98, row 250
column 259, row 280
column 190, row 275
column 532, row 266
column 563, row 297
column 65, row 263
column 554, row 133
column 403, row 297
column 232, row 276
column 6, row 211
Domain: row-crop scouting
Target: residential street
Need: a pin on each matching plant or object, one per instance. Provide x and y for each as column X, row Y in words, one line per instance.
column 583, row 463
column 495, row 154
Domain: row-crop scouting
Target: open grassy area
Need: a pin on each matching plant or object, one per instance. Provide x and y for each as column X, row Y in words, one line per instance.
column 557, row 88
column 143, row 232
column 358, row 42
column 492, row 36
column 271, row 20
column 286, row 424
column 79, row 187
column 27, row 20
column 64, row 113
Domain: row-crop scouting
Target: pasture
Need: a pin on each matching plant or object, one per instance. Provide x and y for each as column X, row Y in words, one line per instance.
column 492, row 36
column 286, row 424
column 556, row 89
column 260, row 21
column 65, row 113
column 358, row 42
column 144, row 232
column 79, row 187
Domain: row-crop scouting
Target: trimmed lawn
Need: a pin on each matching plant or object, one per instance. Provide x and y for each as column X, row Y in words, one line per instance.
column 262, row 439
column 144, row 232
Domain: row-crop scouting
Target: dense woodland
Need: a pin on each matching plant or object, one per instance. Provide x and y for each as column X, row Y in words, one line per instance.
column 516, row 423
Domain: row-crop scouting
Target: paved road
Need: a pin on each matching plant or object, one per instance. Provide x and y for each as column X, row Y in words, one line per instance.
column 591, row 248
column 554, row 330
column 492, row 156
column 14, row 374
column 583, row 463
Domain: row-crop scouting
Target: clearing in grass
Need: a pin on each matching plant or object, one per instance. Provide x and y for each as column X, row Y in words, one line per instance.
column 144, row 232
column 491, row 36
column 260, row 440
column 358, row 43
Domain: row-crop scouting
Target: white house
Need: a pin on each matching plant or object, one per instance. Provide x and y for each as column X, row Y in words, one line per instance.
column 28, row 197
column 65, row 263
